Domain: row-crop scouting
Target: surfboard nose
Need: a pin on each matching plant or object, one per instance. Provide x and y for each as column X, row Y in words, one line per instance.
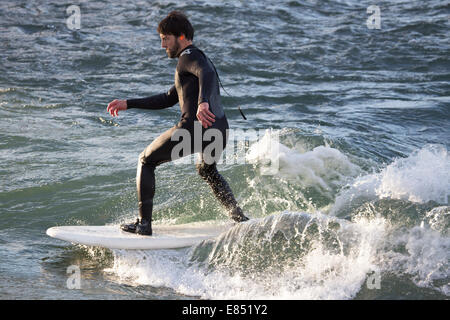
column 52, row 232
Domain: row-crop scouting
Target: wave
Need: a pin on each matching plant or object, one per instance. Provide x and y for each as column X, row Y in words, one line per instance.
column 384, row 229
column 323, row 167
column 286, row 256
column 422, row 177
column 295, row 255
column 306, row 177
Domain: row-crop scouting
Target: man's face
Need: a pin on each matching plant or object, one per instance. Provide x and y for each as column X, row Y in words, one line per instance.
column 170, row 43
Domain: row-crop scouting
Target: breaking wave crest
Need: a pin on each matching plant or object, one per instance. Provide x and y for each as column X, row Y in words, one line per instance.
column 383, row 228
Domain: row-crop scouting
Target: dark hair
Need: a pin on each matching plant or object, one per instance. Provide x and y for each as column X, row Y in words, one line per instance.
column 176, row 23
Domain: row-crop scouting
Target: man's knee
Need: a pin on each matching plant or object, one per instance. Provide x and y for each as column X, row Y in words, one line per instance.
column 142, row 157
column 146, row 158
column 206, row 171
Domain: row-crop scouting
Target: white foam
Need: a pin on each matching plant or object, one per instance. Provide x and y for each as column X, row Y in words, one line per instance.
column 323, row 167
column 320, row 274
column 426, row 260
column 365, row 245
column 438, row 219
column 155, row 267
column 423, row 176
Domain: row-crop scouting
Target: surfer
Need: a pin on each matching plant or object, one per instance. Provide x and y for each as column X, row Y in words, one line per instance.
column 196, row 89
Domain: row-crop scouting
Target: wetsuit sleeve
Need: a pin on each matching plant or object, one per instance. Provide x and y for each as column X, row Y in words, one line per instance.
column 158, row 101
column 197, row 64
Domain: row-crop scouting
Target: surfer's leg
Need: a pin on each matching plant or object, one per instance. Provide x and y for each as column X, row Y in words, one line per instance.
column 145, row 185
column 158, row 152
column 221, row 189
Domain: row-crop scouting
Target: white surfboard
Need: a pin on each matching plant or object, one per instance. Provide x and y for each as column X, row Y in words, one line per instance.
column 163, row 237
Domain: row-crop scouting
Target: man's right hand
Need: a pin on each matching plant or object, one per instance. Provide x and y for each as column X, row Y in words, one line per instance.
column 116, row 105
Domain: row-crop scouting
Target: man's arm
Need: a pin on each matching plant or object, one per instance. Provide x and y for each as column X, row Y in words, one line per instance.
column 197, row 64
column 159, row 101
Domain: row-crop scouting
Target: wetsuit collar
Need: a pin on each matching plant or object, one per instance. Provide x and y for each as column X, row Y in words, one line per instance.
column 188, row 47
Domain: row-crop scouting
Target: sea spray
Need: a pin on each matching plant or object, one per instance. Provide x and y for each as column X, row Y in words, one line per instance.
column 323, row 167
column 296, row 255
column 383, row 230
column 285, row 256
column 423, row 176
column 408, row 194
column 420, row 255
column 419, row 178
column 306, row 180
column 439, row 219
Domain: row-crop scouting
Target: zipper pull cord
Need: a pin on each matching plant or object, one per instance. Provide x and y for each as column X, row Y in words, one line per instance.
column 239, row 108
column 220, row 81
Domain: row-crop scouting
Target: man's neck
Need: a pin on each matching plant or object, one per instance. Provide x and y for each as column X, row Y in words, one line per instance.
column 184, row 46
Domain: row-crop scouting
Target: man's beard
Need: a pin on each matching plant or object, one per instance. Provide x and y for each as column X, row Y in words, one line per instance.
column 174, row 52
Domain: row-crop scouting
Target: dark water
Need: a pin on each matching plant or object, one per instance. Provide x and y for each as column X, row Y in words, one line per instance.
column 359, row 208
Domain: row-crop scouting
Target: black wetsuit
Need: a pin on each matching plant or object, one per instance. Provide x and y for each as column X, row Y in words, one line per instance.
column 196, row 81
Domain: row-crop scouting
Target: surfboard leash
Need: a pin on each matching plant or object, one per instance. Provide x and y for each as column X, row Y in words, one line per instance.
column 220, row 81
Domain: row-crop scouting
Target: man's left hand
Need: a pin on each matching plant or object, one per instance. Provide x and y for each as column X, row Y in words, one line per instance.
column 205, row 116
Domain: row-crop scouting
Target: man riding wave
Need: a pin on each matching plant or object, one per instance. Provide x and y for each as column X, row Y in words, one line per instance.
column 197, row 91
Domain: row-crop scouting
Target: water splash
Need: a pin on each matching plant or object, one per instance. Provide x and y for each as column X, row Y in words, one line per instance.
column 422, row 177
column 286, row 256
